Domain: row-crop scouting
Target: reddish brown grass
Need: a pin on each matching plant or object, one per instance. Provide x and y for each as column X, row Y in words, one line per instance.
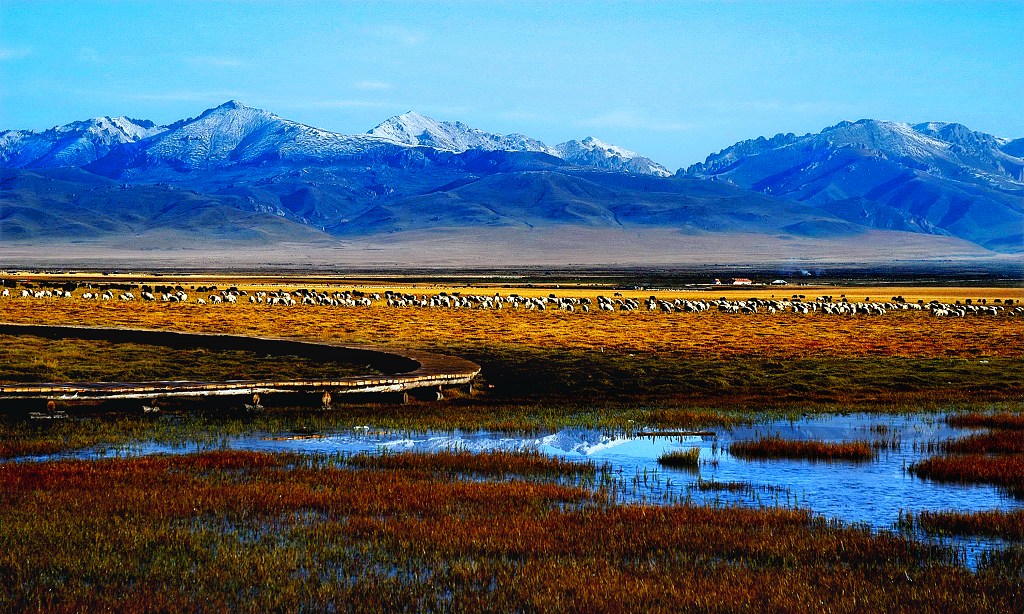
column 999, row 442
column 777, row 447
column 1005, row 471
column 996, row 523
column 1003, row 420
column 252, row 531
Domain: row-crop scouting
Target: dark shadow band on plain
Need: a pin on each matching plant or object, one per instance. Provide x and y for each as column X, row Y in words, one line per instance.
column 401, row 370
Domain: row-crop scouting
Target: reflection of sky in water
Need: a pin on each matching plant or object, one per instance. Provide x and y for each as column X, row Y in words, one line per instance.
column 871, row 492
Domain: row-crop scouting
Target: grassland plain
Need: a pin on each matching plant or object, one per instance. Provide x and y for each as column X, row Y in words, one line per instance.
column 690, row 357
column 553, row 368
column 473, row 532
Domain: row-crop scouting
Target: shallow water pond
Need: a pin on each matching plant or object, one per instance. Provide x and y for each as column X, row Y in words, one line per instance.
column 872, row 492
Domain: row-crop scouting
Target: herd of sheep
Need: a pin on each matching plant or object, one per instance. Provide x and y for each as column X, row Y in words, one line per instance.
column 456, row 300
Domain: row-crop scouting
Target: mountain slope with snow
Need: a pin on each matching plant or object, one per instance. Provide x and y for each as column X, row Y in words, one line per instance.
column 75, row 144
column 235, row 168
column 598, row 154
column 935, row 178
column 418, row 130
column 233, row 134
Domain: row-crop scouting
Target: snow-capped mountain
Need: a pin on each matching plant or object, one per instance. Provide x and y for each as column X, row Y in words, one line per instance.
column 980, row 150
column 937, row 178
column 418, row 130
column 74, row 144
column 233, row 134
column 598, row 154
column 413, row 174
column 942, row 149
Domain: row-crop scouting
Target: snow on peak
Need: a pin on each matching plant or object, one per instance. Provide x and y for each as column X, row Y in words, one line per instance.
column 938, row 148
column 595, row 152
column 233, row 133
column 75, row 144
column 607, row 149
column 119, row 129
column 419, row 130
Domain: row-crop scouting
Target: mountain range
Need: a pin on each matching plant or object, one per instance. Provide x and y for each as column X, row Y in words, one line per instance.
column 240, row 174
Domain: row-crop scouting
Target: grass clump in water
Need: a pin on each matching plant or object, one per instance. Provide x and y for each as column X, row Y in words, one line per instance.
column 681, row 459
column 778, row 447
column 975, row 419
column 995, row 523
column 1004, row 471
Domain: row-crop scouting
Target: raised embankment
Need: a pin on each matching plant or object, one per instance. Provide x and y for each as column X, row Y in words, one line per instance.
column 402, row 370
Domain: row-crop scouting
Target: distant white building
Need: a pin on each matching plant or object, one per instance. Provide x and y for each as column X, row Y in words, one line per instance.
column 780, row 282
column 741, row 281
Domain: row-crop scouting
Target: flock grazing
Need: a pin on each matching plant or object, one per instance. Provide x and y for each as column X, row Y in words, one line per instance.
column 826, row 305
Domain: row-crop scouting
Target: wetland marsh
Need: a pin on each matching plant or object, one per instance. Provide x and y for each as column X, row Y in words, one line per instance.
column 877, row 453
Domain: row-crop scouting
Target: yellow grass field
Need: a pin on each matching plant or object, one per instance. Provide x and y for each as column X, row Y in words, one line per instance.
column 713, row 357
column 705, row 335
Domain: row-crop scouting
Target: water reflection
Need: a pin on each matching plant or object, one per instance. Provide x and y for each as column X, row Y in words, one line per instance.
column 874, row 492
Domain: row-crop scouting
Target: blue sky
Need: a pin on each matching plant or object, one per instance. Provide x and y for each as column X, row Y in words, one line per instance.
column 674, row 80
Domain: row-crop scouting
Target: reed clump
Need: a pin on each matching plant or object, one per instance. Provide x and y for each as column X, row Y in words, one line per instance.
column 681, row 459
column 779, row 447
column 717, row 486
column 999, row 420
column 996, row 442
column 995, row 523
column 15, row 449
column 1004, row 471
column 1006, row 562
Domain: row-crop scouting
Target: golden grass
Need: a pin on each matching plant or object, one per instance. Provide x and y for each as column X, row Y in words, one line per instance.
column 704, row 335
column 711, row 358
column 684, row 459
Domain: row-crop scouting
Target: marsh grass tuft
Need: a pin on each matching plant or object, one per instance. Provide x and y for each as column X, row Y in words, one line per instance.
column 996, row 420
column 1004, row 471
column 778, row 447
column 997, row 442
column 994, row 523
column 681, row 459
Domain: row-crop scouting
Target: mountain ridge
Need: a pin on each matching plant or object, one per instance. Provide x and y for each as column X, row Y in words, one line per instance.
column 934, row 177
column 233, row 170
